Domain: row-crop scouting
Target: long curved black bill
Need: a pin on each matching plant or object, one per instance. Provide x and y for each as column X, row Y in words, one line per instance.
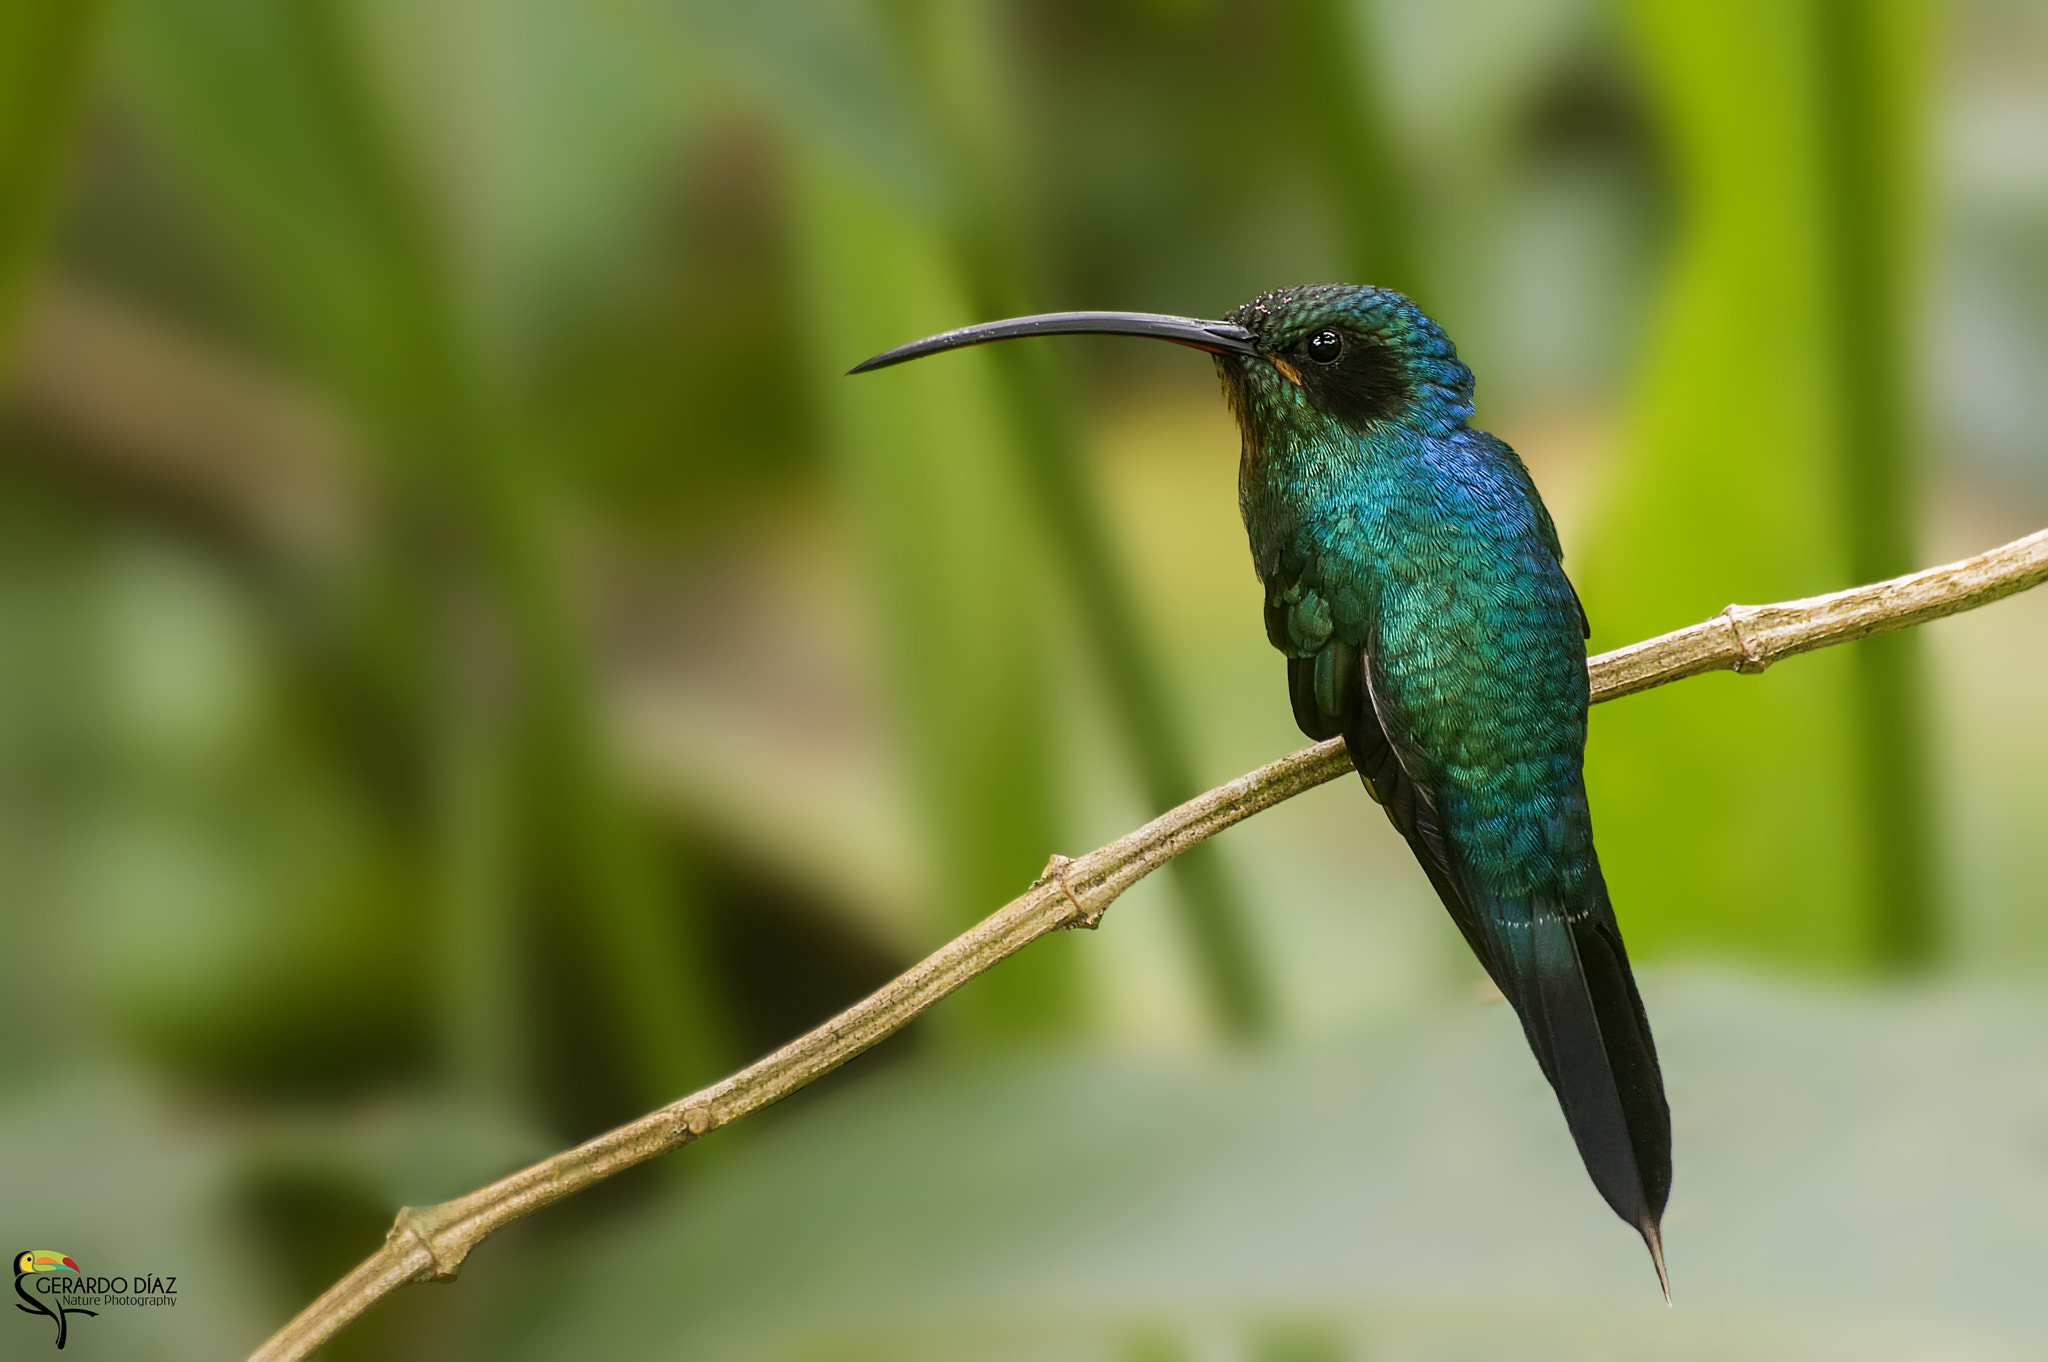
column 1218, row 338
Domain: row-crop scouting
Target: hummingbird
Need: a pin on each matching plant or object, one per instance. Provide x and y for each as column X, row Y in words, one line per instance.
column 1415, row 584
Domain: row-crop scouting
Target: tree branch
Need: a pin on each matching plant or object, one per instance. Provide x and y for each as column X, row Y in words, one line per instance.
column 429, row 1243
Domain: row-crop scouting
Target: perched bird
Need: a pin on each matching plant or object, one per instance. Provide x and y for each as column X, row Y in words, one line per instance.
column 1415, row 583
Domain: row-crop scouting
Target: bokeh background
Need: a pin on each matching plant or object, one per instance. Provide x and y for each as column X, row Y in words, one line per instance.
column 471, row 669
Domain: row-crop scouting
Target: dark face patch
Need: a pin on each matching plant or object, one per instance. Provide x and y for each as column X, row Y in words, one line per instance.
column 1356, row 378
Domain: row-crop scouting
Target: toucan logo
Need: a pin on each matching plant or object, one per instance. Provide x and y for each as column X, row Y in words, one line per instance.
column 41, row 1268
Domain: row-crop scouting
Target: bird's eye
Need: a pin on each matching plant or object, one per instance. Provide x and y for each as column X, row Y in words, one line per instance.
column 1325, row 346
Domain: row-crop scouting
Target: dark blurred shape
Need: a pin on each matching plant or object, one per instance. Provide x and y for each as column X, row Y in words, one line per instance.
column 785, row 964
column 688, row 400
column 315, row 1220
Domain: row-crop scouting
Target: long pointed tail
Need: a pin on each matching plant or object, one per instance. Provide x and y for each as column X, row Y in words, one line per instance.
column 1561, row 963
column 1570, row 982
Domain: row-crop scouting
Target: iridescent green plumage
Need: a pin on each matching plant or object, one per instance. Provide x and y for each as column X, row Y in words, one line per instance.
column 1415, row 583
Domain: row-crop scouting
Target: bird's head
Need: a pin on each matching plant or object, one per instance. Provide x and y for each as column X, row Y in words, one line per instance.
column 1313, row 356
column 1342, row 354
column 24, row 1262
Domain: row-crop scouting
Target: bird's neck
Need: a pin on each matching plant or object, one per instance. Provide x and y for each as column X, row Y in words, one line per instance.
column 1294, row 481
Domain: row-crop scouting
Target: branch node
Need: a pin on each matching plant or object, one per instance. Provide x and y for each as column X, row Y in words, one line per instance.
column 1055, row 872
column 1753, row 659
column 416, row 1223
column 698, row 1120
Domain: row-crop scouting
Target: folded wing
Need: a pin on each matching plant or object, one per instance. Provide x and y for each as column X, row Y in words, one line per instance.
column 1557, row 958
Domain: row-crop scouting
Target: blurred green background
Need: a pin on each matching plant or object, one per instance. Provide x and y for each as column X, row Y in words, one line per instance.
column 471, row 669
